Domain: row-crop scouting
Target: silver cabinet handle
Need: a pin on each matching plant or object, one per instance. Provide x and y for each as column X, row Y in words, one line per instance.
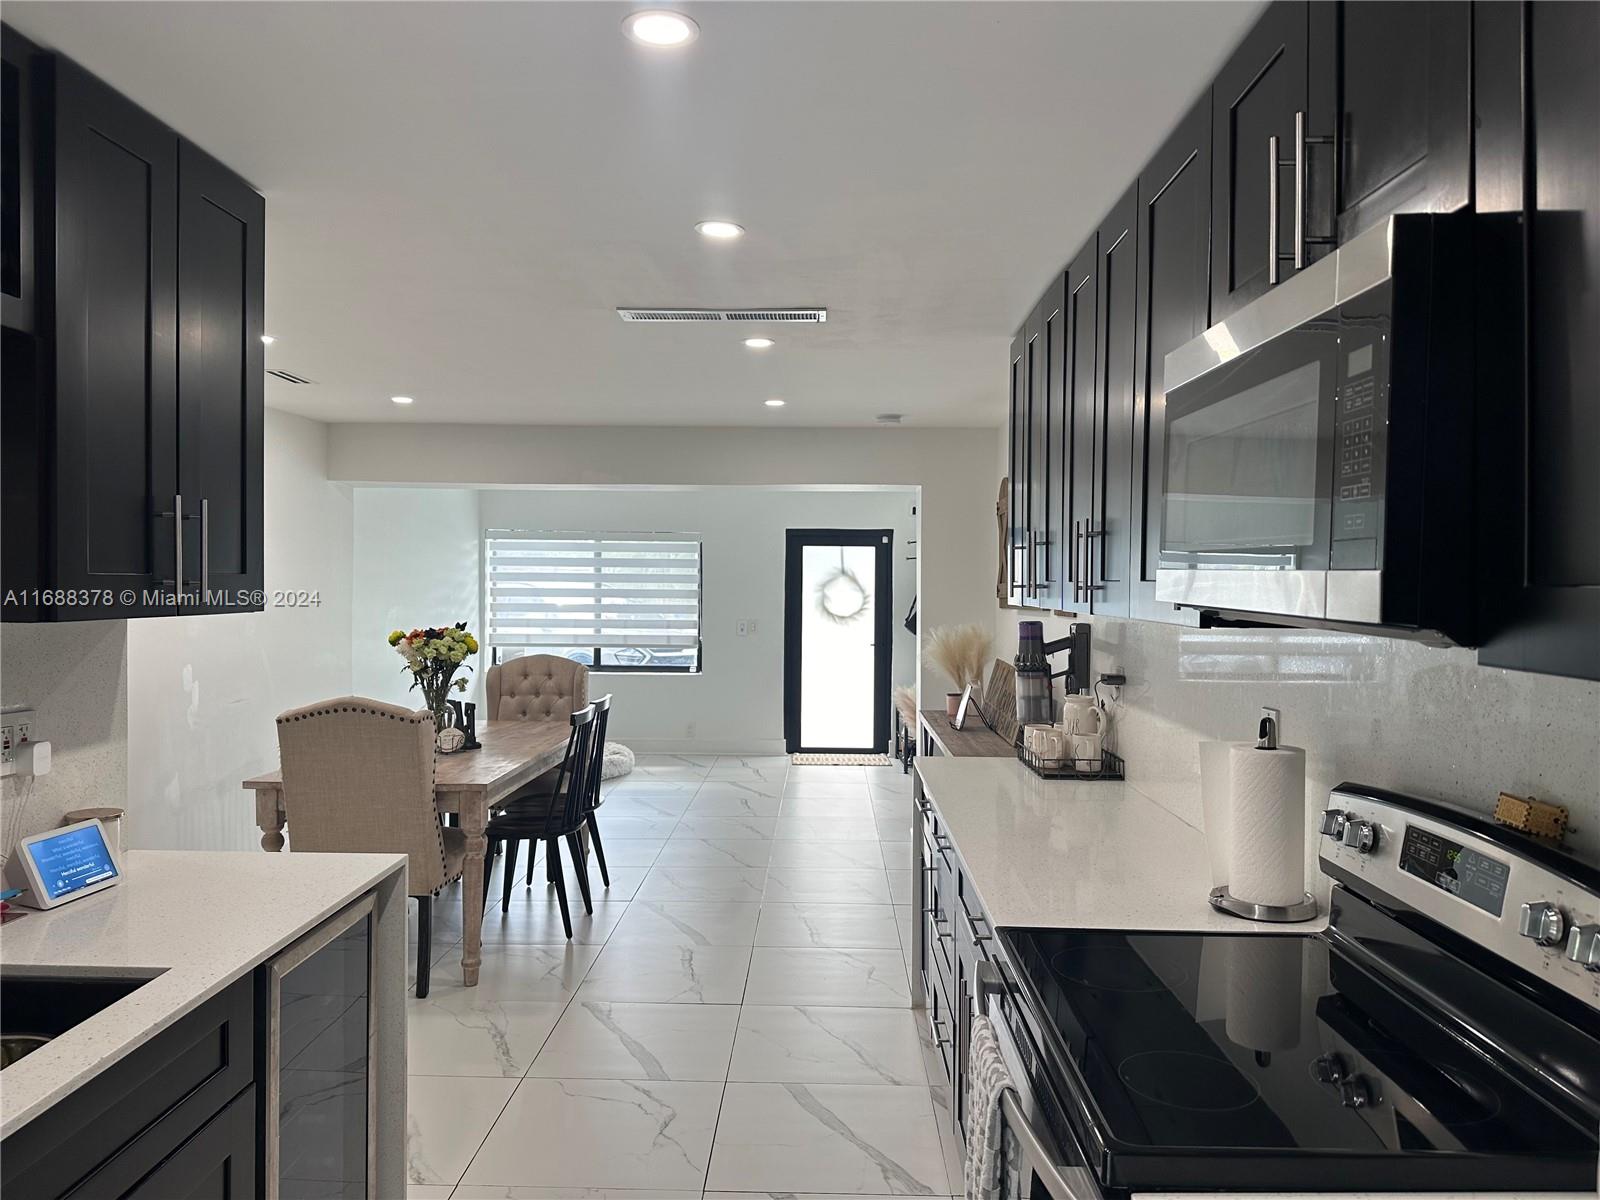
column 1299, row 190
column 972, row 928
column 1272, row 209
column 1089, row 535
column 176, row 513
column 1031, row 587
column 1077, row 578
column 205, row 550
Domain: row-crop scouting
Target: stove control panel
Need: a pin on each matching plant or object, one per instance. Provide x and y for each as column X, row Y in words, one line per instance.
column 1534, row 911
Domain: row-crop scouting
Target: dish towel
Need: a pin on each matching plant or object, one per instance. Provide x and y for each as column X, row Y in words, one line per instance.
column 987, row 1081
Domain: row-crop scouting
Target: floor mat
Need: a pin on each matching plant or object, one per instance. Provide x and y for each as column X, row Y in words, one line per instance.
column 841, row 760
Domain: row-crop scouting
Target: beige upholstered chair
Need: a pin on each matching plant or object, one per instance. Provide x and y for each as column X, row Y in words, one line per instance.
column 358, row 779
column 536, row 687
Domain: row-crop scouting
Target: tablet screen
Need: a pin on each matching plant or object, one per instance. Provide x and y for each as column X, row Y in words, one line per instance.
column 71, row 861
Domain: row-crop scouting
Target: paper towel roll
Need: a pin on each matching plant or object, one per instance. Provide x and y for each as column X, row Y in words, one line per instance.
column 1263, row 1007
column 1267, row 824
column 1215, row 800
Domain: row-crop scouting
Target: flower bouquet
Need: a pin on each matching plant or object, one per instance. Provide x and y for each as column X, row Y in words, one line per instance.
column 433, row 656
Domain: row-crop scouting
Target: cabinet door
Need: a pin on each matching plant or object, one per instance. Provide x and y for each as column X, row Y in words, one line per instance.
column 1049, row 412
column 1255, row 97
column 220, row 363
column 1017, row 518
column 1402, row 70
column 1110, row 541
column 115, row 272
column 1174, row 296
column 1539, row 411
column 1078, row 369
column 17, row 117
column 1038, row 458
column 218, row 1163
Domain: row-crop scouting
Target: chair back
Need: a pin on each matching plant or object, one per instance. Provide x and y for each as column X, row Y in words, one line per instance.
column 358, row 779
column 572, row 778
column 597, row 760
column 536, row 687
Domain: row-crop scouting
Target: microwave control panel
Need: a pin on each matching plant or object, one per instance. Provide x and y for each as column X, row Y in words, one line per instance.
column 1360, row 428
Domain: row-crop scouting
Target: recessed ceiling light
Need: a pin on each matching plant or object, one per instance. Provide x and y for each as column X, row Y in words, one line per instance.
column 758, row 343
column 660, row 28
column 267, row 339
column 401, row 399
column 723, row 231
column 774, row 403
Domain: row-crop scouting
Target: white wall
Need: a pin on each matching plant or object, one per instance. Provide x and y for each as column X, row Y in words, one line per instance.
column 1382, row 711
column 953, row 467
column 736, row 702
column 416, row 564
column 75, row 676
column 203, row 691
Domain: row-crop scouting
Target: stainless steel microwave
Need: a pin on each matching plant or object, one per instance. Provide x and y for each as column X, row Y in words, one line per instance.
column 1319, row 443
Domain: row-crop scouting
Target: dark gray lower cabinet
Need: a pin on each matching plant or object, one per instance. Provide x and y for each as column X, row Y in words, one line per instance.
column 176, row 1118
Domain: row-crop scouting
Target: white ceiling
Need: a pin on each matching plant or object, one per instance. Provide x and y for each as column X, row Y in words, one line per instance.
column 459, row 195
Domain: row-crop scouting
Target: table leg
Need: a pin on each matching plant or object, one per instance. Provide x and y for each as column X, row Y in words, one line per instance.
column 269, row 819
column 474, row 815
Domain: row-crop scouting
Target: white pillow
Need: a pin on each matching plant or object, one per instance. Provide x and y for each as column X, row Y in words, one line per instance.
column 618, row 761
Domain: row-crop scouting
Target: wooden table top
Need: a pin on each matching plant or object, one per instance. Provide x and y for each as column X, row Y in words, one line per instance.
column 975, row 741
column 513, row 753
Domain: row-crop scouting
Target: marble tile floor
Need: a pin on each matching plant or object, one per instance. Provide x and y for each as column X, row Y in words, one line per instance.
column 733, row 1021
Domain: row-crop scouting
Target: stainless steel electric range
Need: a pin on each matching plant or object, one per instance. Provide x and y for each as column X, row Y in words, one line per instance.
column 1442, row 1033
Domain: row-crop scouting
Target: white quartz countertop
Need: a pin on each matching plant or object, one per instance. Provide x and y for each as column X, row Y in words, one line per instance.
column 194, row 920
column 1051, row 854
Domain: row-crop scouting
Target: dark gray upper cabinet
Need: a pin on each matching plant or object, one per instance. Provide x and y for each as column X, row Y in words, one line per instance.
column 133, row 403
column 1255, row 98
column 115, row 298
column 1395, row 74
column 1110, row 533
column 1078, row 373
column 1043, row 541
column 1174, row 235
column 220, row 377
column 1538, row 198
column 17, row 159
column 1018, row 508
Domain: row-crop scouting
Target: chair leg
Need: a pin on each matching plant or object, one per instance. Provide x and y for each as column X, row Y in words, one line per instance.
column 424, row 944
column 552, row 853
column 533, row 848
column 580, row 864
column 552, row 867
column 599, row 850
column 510, row 877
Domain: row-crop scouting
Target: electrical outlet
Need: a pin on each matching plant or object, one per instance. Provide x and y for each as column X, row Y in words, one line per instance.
column 744, row 628
column 752, row 624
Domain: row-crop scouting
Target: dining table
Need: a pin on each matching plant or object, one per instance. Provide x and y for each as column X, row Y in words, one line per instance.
column 469, row 783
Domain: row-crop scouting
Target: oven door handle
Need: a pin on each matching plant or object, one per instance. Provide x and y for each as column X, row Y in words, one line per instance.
column 1036, row 1153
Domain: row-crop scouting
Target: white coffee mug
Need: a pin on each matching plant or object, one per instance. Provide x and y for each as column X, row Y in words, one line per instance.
column 1033, row 737
column 1086, row 749
column 1080, row 714
column 1053, row 743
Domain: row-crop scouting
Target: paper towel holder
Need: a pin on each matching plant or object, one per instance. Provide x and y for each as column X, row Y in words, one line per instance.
column 1223, row 901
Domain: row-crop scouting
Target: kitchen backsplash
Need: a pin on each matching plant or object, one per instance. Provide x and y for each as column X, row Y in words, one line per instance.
column 1391, row 713
column 75, row 675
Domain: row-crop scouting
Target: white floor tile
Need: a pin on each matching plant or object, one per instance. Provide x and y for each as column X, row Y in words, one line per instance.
column 836, row 926
column 457, row 1033
column 688, row 923
column 896, row 856
column 888, row 807
column 839, row 808
column 468, row 1191
column 447, row 1119
column 756, row 762
column 602, row 1133
column 723, row 804
column 648, row 974
column 889, row 779
column 675, row 762
column 821, row 789
column 715, row 852
column 625, row 828
column 824, row 829
column 797, row 885
column 518, row 972
column 646, row 785
column 695, row 826
column 534, row 918
column 733, row 783
column 743, row 884
column 852, row 978
column 901, row 885
column 795, row 1044
column 429, row 1191
column 828, row 774
column 605, row 1039
column 833, row 1138
column 828, row 855
column 642, row 804
column 628, row 852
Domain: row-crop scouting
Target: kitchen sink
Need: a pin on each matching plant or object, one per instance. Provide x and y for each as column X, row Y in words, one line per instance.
column 35, row 1007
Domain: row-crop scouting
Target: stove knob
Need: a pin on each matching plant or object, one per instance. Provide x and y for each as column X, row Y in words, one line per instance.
column 1333, row 823
column 1362, row 836
column 1583, row 946
column 1330, row 1069
column 1355, row 1093
column 1543, row 922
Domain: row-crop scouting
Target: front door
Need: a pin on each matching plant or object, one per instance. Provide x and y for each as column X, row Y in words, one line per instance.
column 838, row 595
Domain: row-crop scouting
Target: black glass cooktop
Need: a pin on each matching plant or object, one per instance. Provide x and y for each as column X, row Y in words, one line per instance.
column 1267, row 1061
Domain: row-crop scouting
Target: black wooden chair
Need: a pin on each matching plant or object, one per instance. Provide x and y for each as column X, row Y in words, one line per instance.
column 602, row 709
column 554, row 818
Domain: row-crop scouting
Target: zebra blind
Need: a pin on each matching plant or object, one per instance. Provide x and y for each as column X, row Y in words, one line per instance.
column 623, row 600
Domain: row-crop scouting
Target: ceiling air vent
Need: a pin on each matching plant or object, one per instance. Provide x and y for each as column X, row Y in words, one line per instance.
column 288, row 377
column 813, row 316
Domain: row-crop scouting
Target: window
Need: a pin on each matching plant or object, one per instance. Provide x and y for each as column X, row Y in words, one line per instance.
column 612, row 601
